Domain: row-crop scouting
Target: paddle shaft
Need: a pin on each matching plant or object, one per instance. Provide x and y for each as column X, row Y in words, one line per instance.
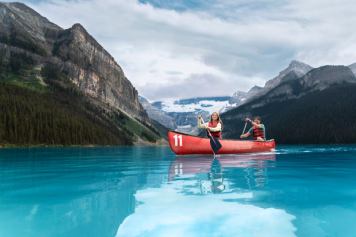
column 207, row 129
column 243, row 132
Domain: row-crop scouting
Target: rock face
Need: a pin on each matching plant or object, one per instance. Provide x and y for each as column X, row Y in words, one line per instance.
column 299, row 68
column 240, row 96
column 158, row 114
column 22, row 27
column 294, row 70
column 73, row 51
column 254, row 90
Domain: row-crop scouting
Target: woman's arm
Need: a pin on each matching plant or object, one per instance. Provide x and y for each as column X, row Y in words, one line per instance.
column 201, row 124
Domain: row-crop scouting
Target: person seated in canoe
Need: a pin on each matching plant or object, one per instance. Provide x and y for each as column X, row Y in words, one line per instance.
column 257, row 130
column 213, row 127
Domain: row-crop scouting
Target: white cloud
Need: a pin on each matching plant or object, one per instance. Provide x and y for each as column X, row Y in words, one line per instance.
column 225, row 45
column 178, row 214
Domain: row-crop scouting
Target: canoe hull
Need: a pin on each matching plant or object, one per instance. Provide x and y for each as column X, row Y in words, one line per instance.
column 184, row 144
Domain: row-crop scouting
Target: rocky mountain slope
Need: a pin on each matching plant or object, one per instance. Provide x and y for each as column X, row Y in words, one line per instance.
column 73, row 52
column 44, row 58
column 318, row 107
column 299, row 68
column 158, row 114
column 353, row 68
column 240, row 97
column 294, row 69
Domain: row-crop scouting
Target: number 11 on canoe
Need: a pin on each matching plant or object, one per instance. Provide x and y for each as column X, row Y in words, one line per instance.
column 178, row 140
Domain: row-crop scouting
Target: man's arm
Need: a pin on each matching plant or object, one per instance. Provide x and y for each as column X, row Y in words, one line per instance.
column 249, row 132
column 245, row 135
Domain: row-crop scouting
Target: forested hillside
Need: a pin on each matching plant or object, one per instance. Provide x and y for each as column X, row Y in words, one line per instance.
column 61, row 117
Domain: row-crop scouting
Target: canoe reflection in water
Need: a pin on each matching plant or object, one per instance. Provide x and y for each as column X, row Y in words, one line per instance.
column 209, row 171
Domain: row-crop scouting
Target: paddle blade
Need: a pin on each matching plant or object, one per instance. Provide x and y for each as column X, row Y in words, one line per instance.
column 215, row 144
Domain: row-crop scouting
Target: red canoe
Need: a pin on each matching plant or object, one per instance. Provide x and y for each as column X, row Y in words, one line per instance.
column 184, row 144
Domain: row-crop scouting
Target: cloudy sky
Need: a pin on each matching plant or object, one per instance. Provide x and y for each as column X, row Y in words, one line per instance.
column 188, row 48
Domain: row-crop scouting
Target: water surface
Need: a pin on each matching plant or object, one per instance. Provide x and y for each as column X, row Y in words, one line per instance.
column 148, row 191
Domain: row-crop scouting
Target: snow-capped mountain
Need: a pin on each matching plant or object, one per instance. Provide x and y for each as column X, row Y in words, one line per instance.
column 184, row 112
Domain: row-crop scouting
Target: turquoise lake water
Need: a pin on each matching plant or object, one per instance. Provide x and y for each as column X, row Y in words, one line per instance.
column 148, row 191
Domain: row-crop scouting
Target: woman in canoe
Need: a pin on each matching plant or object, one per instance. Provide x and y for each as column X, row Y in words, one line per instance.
column 257, row 130
column 214, row 126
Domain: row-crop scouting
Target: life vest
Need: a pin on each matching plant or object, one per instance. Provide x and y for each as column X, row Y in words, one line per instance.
column 258, row 132
column 213, row 125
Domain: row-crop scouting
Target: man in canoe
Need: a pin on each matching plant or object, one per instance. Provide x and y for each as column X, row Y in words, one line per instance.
column 257, row 130
column 214, row 126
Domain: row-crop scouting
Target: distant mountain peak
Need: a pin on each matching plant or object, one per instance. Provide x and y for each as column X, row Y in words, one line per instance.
column 239, row 93
column 299, row 68
column 255, row 89
column 294, row 63
column 79, row 27
column 22, row 13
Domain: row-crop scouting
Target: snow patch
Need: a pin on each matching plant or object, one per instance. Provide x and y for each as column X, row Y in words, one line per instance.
column 209, row 106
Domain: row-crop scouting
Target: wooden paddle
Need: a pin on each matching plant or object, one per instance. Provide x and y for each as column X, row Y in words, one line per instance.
column 214, row 141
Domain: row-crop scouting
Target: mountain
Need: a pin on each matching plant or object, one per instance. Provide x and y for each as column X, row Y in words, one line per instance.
column 294, row 69
column 63, row 67
column 299, row 68
column 253, row 91
column 157, row 114
column 353, row 68
column 240, row 97
column 318, row 107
